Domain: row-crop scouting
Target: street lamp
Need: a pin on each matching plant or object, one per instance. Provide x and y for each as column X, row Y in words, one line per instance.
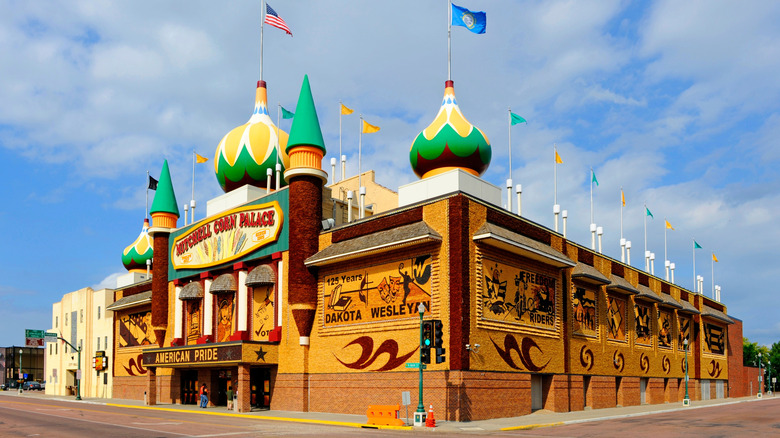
column 21, row 374
column 760, row 376
column 686, row 400
column 419, row 415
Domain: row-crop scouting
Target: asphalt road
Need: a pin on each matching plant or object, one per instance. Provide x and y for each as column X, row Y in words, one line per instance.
column 48, row 418
column 751, row 419
column 31, row 416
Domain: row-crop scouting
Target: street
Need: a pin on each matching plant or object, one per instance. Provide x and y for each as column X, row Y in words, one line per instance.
column 37, row 415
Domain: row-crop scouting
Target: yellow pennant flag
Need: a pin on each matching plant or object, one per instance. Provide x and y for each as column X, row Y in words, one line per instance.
column 623, row 197
column 714, row 259
column 199, row 159
column 558, row 158
column 369, row 128
column 345, row 110
column 669, row 226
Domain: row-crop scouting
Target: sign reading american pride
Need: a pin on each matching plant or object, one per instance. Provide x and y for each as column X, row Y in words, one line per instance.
column 226, row 237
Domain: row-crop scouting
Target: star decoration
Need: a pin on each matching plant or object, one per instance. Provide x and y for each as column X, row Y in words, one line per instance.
column 261, row 354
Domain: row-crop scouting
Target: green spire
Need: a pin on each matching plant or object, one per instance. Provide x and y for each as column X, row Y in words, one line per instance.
column 164, row 197
column 305, row 130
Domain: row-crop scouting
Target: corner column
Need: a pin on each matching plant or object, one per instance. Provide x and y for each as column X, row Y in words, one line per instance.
column 244, row 400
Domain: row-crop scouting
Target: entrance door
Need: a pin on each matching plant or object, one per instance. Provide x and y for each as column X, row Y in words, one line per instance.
column 223, row 381
column 643, row 391
column 537, row 392
column 719, row 391
column 705, row 389
column 260, row 387
column 189, row 387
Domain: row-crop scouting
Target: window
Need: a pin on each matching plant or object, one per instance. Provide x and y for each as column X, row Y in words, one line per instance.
column 105, row 338
column 66, row 320
column 80, row 344
column 98, row 315
column 51, row 348
column 56, row 321
column 98, row 345
column 82, row 315
column 55, row 348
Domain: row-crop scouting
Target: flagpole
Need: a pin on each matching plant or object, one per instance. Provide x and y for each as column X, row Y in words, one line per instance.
column 360, row 154
column 278, row 144
column 262, row 21
column 509, row 115
column 449, row 41
column 647, row 268
column 694, row 265
column 666, row 227
column 555, row 174
column 147, row 195
column 621, row 212
column 340, row 115
column 192, row 199
column 591, row 195
column 713, row 275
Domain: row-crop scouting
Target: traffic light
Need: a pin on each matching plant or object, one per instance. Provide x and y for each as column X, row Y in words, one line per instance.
column 438, row 342
column 425, row 355
column 427, row 341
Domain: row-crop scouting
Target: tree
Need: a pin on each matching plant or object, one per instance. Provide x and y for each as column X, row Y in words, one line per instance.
column 769, row 358
column 774, row 362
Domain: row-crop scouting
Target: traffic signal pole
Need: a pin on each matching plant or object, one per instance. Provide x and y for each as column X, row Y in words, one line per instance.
column 419, row 414
column 78, row 366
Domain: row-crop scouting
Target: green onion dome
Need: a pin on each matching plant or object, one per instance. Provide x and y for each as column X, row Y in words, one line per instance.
column 135, row 256
column 246, row 152
column 450, row 142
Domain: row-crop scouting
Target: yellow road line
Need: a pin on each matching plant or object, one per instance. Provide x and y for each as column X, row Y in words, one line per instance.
column 262, row 417
column 532, row 426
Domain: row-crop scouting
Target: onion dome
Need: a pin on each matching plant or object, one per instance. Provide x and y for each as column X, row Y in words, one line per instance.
column 450, row 142
column 165, row 209
column 246, row 153
column 135, row 256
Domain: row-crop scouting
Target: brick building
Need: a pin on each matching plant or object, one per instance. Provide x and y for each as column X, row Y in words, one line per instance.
column 295, row 312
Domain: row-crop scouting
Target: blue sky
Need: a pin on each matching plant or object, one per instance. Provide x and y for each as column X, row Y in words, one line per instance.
column 676, row 102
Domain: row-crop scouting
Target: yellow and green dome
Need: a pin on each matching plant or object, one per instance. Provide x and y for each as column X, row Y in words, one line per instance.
column 450, row 142
column 246, row 152
column 135, row 256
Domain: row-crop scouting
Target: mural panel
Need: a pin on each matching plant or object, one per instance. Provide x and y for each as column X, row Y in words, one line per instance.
column 135, row 329
column 386, row 292
column 644, row 330
column 714, row 339
column 224, row 317
column 684, row 332
column 530, row 302
column 664, row 329
column 616, row 318
column 193, row 321
column 262, row 312
column 584, row 313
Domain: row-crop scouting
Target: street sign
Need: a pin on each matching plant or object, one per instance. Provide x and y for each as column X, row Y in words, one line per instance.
column 34, row 334
column 50, row 337
column 33, row 342
column 406, row 398
column 415, row 365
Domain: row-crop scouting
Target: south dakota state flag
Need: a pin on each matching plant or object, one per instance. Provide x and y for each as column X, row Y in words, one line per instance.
column 473, row 21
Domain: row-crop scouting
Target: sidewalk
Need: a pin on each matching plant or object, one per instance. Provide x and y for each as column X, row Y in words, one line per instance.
column 537, row 419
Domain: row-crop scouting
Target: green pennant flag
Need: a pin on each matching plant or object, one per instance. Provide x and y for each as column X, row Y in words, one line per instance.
column 696, row 245
column 648, row 212
column 286, row 114
column 516, row 119
column 594, row 180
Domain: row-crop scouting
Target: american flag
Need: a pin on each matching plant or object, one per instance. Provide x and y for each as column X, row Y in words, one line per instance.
column 272, row 18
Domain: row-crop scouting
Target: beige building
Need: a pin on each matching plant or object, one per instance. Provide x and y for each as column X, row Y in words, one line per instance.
column 81, row 318
column 378, row 198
